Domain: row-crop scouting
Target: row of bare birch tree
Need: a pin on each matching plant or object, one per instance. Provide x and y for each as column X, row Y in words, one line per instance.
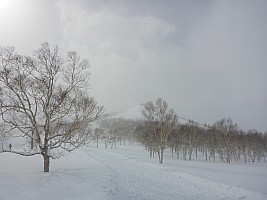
column 160, row 129
column 223, row 141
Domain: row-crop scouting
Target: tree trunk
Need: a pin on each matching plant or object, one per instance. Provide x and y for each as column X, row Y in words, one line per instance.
column 46, row 163
column 161, row 155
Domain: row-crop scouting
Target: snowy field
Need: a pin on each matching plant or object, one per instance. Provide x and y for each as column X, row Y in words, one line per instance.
column 128, row 173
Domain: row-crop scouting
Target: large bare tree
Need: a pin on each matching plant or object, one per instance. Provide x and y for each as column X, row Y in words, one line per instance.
column 159, row 123
column 45, row 98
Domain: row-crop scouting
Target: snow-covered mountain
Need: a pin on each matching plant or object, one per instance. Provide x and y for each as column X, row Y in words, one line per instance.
column 133, row 112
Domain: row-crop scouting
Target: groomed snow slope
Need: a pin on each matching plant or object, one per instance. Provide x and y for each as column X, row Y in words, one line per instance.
column 127, row 173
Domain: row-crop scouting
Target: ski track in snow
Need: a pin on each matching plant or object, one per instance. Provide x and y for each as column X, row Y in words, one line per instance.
column 109, row 174
column 151, row 181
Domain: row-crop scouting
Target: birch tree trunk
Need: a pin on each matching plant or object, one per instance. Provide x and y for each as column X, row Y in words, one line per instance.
column 46, row 163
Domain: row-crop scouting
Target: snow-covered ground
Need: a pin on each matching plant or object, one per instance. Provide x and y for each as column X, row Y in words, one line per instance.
column 128, row 173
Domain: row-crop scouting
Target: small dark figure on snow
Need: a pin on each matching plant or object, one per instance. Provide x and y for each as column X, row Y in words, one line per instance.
column 10, row 146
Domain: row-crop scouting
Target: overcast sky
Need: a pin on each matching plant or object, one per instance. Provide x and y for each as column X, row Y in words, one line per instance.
column 207, row 59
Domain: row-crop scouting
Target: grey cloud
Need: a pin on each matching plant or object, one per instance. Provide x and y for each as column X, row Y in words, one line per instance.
column 206, row 58
column 207, row 64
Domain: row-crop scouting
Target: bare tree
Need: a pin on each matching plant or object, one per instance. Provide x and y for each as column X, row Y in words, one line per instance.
column 45, row 98
column 228, row 131
column 159, row 122
column 97, row 135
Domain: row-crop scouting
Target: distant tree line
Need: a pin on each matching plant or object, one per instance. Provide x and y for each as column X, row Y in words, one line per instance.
column 223, row 141
column 160, row 130
column 115, row 131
